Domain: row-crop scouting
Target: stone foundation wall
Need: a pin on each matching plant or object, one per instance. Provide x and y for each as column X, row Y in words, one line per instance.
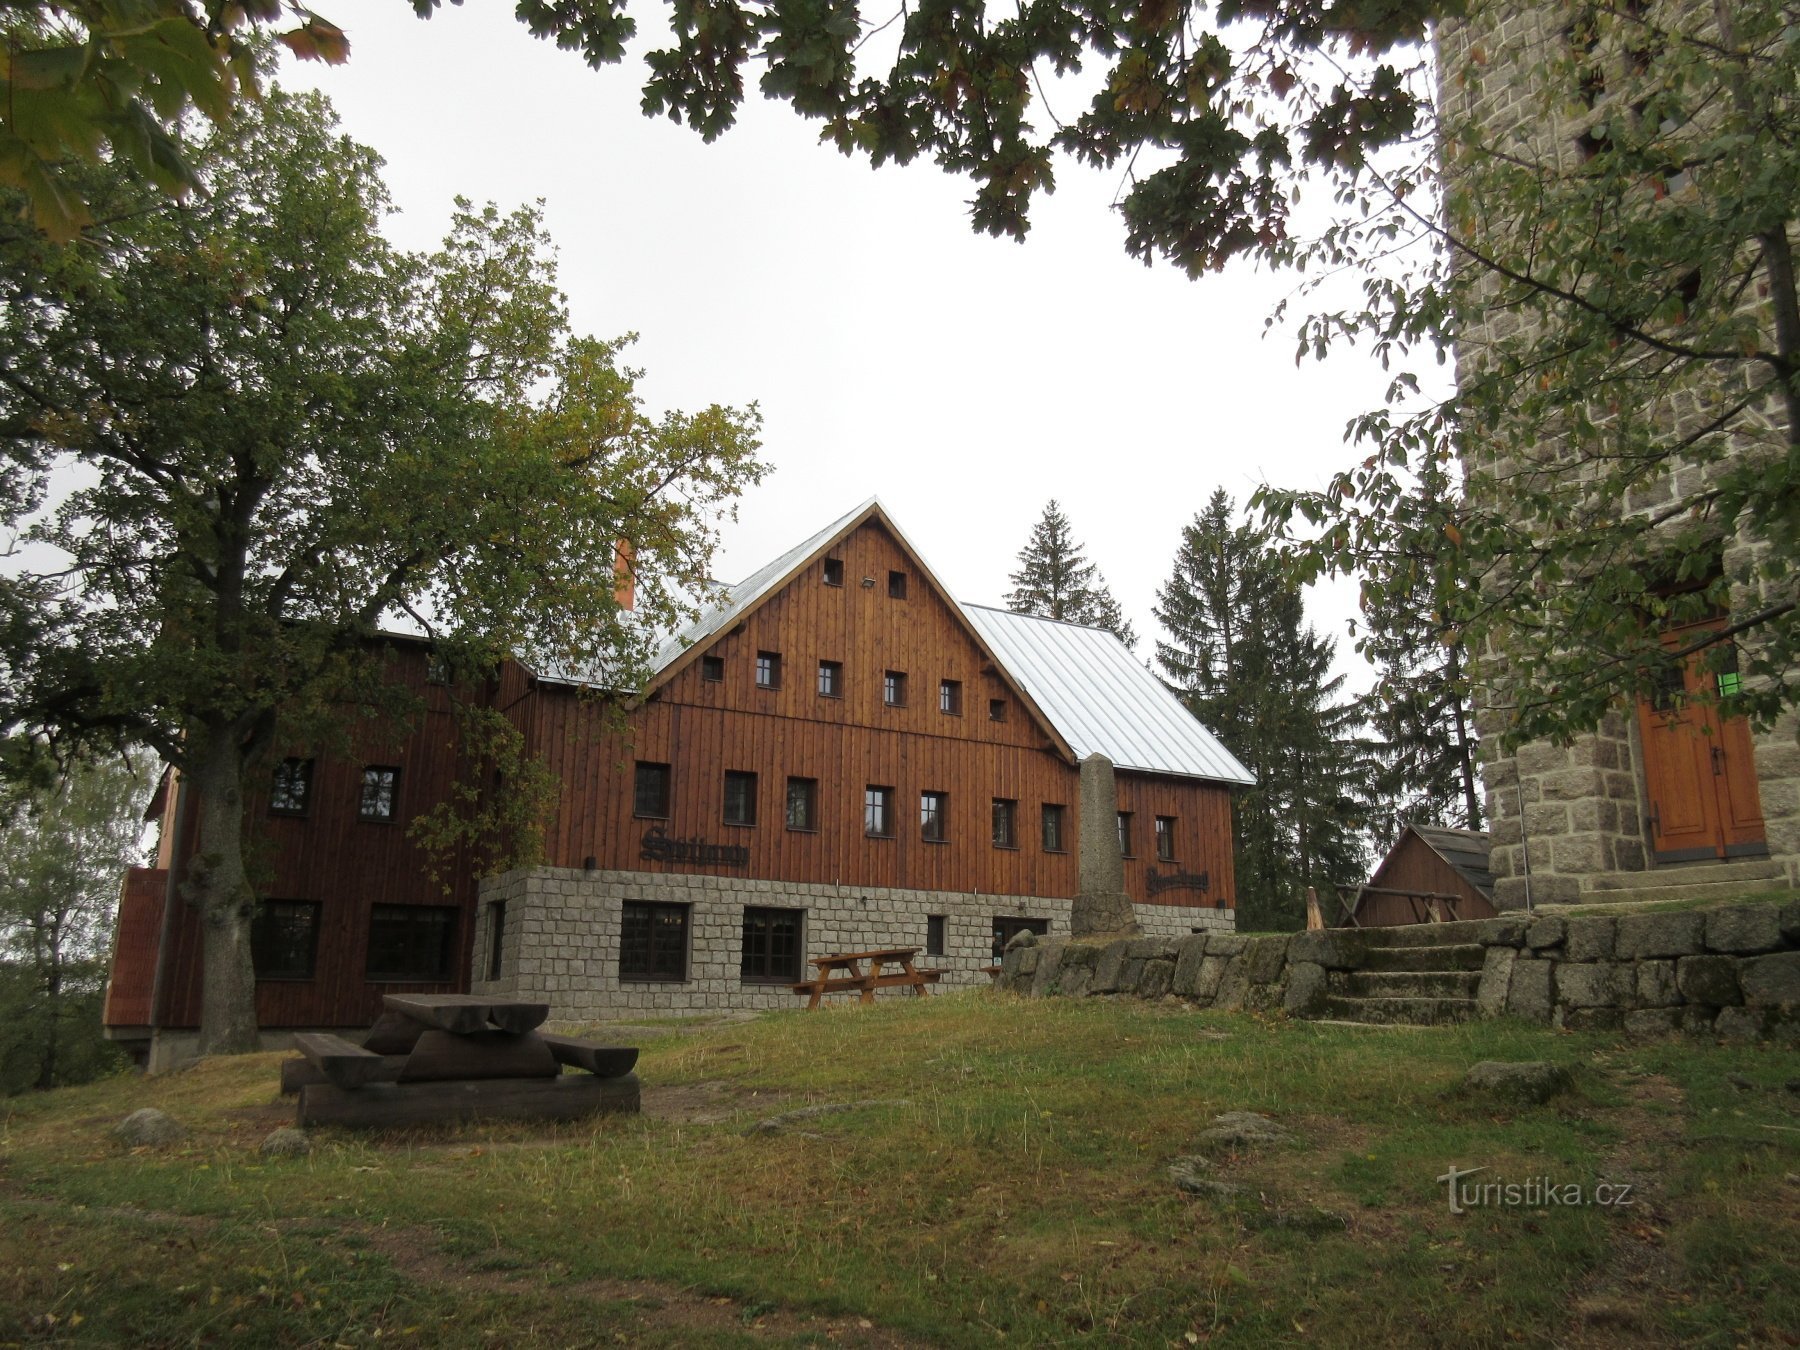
column 1732, row 971
column 560, row 935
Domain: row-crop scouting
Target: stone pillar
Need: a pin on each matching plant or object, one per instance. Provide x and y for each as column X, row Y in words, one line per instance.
column 1101, row 905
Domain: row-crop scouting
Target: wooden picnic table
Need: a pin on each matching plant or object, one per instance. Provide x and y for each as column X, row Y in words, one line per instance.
column 865, row 973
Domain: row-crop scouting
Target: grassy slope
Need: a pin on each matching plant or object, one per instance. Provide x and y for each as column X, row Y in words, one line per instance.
column 1020, row 1193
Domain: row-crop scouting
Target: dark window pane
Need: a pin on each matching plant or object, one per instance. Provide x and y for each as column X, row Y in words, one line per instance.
column 653, row 941
column 950, row 697
column 996, row 710
column 650, row 796
column 897, row 585
column 1004, row 836
column 1165, row 838
column 380, row 792
column 878, row 811
column 893, row 688
column 1125, row 834
column 834, row 571
column 772, row 944
column 802, row 803
column 292, row 789
column 284, row 939
column 411, row 942
column 933, row 807
column 740, row 798
column 496, row 937
column 1053, row 829
column 768, row 670
column 712, row 668
column 831, row 679
column 934, row 934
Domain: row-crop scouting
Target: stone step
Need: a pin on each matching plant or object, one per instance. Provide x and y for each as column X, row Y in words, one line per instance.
column 1406, row 984
column 1425, row 934
column 1413, row 1011
column 1690, row 874
column 1459, row 956
column 1710, row 890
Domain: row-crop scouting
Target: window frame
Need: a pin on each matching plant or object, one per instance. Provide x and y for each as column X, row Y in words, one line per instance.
column 831, row 679
column 834, row 572
column 1125, row 834
column 1165, row 838
column 878, row 808
column 786, row 974
column 441, row 972
column 292, row 768
column 1052, row 821
column 258, row 922
column 637, row 790
column 392, row 787
column 934, row 817
column 950, row 699
column 768, row 670
column 936, row 928
column 649, row 911
column 996, row 710
column 811, row 786
column 896, row 585
column 742, row 778
column 1006, row 809
column 893, row 688
column 712, row 669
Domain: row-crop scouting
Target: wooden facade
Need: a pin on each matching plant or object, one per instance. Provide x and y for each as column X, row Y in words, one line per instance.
column 748, row 700
column 1426, row 865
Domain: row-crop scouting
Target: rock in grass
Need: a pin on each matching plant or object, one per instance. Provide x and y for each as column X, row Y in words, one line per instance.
column 1189, row 1174
column 787, row 1119
column 287, row 1142
column 147, row 1127
column 1527, row 1082
column 1242, row 1129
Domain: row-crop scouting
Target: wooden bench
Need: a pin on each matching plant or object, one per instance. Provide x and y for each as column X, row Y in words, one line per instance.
column 343, row 1063
column 864, row 974
column 603, row 1061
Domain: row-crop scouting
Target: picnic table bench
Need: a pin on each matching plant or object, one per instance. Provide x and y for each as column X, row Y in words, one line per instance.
column 865, row 979
column 438, row 1057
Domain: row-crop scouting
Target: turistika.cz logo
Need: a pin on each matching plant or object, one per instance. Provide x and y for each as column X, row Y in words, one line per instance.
column 1531, row 1193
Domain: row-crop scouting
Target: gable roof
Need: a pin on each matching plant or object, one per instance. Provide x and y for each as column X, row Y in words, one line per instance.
column 1102, row 700
column 1464, row 851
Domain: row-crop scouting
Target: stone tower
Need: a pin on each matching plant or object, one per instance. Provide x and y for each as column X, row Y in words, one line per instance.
column 1664, row 793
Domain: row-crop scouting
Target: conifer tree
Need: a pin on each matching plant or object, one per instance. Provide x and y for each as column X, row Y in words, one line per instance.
column 1056, row 581
column 1245, row 662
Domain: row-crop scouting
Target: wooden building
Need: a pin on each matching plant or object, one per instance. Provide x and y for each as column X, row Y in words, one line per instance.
column 1429, row 871
column 836, row 755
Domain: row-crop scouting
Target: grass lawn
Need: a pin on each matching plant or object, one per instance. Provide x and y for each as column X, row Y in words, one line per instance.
column 1005, row 1179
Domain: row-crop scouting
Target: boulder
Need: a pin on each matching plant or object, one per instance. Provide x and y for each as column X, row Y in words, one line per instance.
column 287, row 1142
column 1108, row 968
column 1743, row 1024
column 1646, row 1023
column 1189, row 1174
column 1602, row 984
column 1708, row 979
column 1264, row 958
column 1656, row 987
column 1333, row 948
column 1496, row 981
column 1158, row 974
column 1210, row 976
column 1524, row 1083
column 1588, row 939
column 147, row 1127
column 1306, row 989
column 1744, row 929
column 1652, row 935
column 1771, row 981
column 1190, row 953
column 1545, row 931
column 1508, row 930
column 1236, row 1130
column 1528, row 995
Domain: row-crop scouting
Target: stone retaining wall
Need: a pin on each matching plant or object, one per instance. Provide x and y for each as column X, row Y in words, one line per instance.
column 1732, row 971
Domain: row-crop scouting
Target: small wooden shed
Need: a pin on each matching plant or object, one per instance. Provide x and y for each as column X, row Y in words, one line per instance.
column 1429, row 868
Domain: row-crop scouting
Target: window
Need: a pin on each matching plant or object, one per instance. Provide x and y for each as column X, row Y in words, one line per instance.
column 653, row 941
column 893, row 688
column 834, row 571
column 650, row 795
column 380, row 792
column 950, row 697
column 768, row 670
column 712, row 669
column 1006, row 928
column 803, row 804
column 996, row 710
column 740, row 798
column 496, row 937
column 411, row 942
column 831, row 679
column 1004, row 811
column 292, row 787
column 1165, row 838
column 934, row 807
column 1124, row 834
column 284, row 939
column 1053, row 828
column 896, row 585
column 934, row 934
column 771, row 946
column 878, row 811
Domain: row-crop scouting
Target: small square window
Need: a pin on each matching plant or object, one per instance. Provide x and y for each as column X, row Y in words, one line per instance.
column 896, row 585
column 893, row 688
column 1124, row 834
column 653, row 941
column 1005, row 809
column 950, row 697
column 1165, row 838
column 996, row 710
column 803, row 803
column 712, row 669
column 740, row 798
column 1053, row 828
column 411, row 943
column 831, row 679
column 284, row 939
column 292, row 788
column 934, row 934
column 878, row 812
column 934, row 807
column 768, row 670
column 380, row 797
column 771, row 946
column 834, row 571
column 650, row 793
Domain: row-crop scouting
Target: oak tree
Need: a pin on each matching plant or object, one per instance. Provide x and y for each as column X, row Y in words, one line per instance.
column 241, row 432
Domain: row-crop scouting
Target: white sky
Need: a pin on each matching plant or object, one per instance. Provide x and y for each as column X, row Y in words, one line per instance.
column 962, row 379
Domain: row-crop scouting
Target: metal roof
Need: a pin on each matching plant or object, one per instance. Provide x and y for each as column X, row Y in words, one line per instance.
column 1465, row 850
column 1102, row 701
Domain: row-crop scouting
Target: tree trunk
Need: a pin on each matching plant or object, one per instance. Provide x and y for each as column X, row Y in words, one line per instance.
column 217, row 887
column 52, row 1016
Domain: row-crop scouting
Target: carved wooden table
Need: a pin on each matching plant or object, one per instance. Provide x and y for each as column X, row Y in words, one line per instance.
column 451, row 1057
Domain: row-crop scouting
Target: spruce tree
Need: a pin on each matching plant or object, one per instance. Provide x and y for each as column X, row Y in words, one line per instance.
column 1245, row 662
column 1055, row 580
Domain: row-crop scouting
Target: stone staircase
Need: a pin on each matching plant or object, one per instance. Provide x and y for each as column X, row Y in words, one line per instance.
column 1421, row 974
column 1684, row 881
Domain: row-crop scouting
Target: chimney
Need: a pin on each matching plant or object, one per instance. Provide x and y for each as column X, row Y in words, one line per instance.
column 624, row 579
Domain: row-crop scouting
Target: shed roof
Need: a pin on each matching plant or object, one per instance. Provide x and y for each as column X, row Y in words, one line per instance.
column 1466, row 851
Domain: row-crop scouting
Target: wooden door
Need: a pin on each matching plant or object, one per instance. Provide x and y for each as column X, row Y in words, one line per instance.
column 1699, row 768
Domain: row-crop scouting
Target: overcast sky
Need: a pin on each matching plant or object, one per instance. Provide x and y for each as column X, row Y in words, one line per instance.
column 964, row 380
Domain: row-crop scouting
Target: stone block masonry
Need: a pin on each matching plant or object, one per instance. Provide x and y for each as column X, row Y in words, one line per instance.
column 559, row 934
